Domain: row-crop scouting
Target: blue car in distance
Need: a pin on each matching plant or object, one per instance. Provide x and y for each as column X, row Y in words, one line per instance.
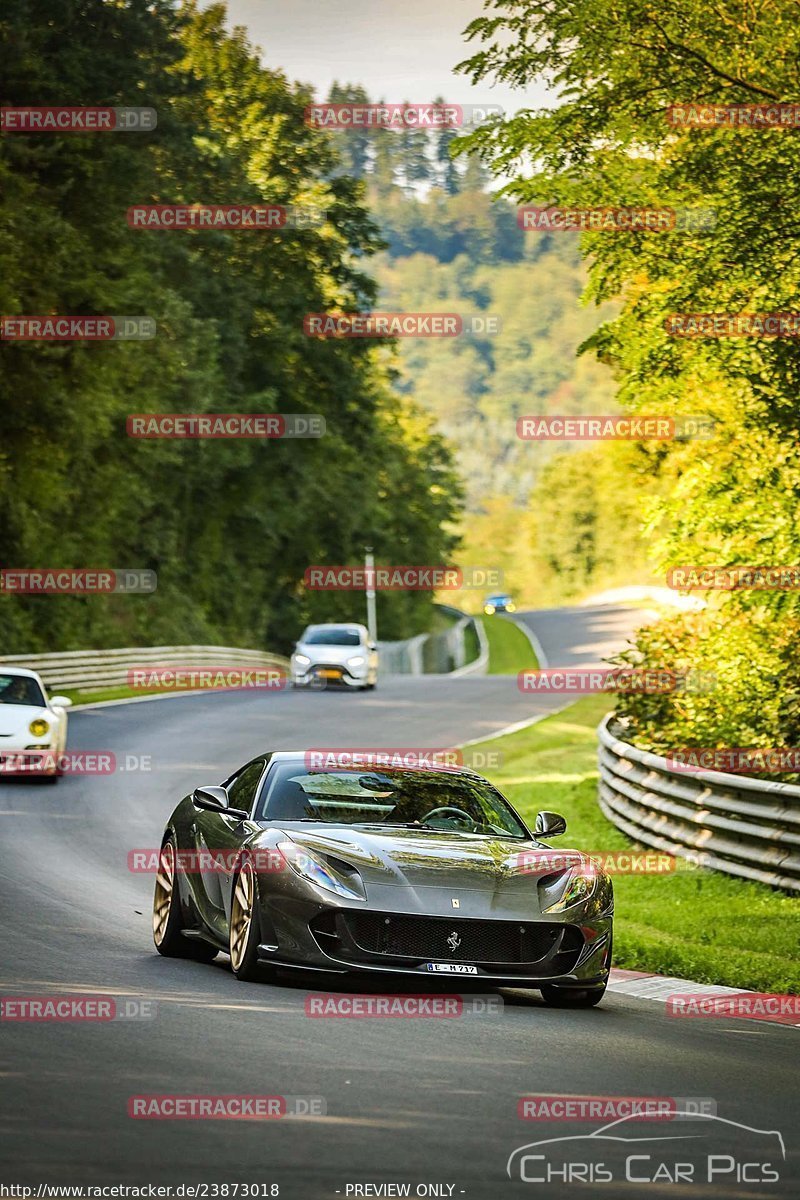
column 502, row 602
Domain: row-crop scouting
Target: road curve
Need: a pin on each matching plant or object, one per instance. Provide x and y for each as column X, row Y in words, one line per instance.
column 418, row 1102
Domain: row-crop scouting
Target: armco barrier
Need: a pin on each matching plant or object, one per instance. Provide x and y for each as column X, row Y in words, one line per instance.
column 94, row 669
column 742, row 826
column 90, row 670
column 442, row 653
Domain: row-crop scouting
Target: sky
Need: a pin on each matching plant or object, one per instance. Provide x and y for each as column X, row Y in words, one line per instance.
column 397, row 49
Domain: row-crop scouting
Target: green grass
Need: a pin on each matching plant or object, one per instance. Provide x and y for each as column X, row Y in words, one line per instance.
column 509, row 649
column 700, row 925
column 116, row 693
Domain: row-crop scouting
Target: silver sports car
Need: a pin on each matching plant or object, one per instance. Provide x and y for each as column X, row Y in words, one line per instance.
column 424, row 872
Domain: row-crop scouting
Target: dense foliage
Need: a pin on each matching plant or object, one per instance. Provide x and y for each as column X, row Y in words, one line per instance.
column 559, row 519
column 228, row 526
column 451, row 247
column 732, row 499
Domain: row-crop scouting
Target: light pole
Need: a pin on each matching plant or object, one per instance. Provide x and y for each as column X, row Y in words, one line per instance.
column 372, row 622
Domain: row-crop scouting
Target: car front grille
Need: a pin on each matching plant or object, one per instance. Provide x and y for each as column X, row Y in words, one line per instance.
column 441, row 939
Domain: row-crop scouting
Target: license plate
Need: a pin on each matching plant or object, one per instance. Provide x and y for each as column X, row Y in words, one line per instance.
column 452, row 968
column 330, row 674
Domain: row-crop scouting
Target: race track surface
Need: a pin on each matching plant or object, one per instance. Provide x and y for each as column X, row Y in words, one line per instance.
column 420, row 1101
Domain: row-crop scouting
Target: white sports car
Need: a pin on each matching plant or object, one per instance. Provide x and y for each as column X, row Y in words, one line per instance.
column 335, row 654
column 29, row 723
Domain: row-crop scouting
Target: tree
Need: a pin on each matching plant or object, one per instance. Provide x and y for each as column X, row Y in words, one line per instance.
column 229, row 526
column 611, row 140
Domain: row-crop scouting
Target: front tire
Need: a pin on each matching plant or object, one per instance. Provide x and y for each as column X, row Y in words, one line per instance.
column 167, row 915
column 245, row 927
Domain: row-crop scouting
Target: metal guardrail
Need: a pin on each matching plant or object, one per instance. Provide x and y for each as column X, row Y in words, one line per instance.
column 95, row 669
column 89, row 670
column 479, row 665
column 732, row 823
column 442, row 653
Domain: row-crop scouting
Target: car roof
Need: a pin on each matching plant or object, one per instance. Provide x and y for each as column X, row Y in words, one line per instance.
column 8, row 669
column 299, row 756
column 337, row 625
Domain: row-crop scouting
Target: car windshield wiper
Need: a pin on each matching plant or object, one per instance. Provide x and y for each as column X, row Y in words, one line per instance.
column 309, row 821
column 391, row 825
column 406, row 825
column 493, row 833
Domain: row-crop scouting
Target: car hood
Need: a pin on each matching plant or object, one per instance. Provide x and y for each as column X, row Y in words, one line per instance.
column 408, row 857
column 330, row 654
column 15, row 719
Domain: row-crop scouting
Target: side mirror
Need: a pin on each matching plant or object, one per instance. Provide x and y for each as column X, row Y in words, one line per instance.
column 60, row 702
column 549, row 824
column 215, row 799
column 372, row 645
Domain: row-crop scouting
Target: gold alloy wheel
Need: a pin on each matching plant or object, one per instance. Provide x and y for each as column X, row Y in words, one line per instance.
column 165, row 886
column 242, row 913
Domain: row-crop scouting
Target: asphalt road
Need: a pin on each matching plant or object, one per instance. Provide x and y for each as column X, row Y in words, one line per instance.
column 423, row 1102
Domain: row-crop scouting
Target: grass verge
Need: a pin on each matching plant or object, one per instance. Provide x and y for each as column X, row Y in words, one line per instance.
column 509, row 649
column 117, row 693
column 701, row 925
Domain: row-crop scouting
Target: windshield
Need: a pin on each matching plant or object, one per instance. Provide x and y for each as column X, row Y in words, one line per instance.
column 21, row 689
column 436, row 800
column 331, row 636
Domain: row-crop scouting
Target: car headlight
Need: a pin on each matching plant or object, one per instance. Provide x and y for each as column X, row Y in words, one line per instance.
column 323, row 874
column 39, row 727
column 358, row 661
column 511, row 606
column 579, row 887
column 302, row 660
column 488, row 609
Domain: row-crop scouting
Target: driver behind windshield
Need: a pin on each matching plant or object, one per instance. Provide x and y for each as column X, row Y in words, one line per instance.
column 415, row 799
column 20, row 689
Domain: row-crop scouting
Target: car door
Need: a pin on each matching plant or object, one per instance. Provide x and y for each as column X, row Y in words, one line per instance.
column 218, row 836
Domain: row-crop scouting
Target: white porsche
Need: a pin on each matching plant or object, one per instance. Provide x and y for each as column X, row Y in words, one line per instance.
column 33, row 728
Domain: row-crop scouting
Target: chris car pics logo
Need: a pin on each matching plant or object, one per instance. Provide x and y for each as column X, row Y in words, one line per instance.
column 698, row 1150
